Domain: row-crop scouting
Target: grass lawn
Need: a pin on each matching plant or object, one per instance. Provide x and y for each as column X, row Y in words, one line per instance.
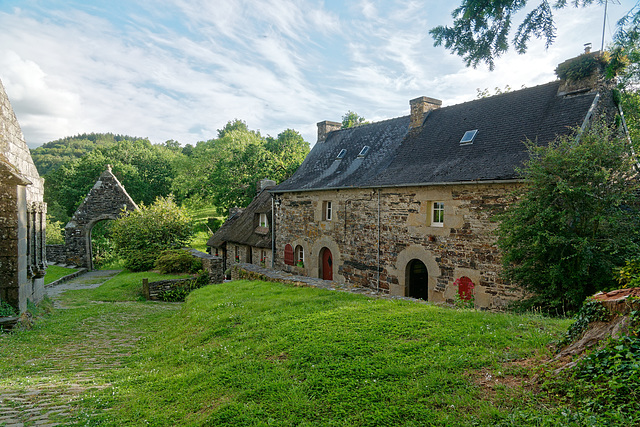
column 254, row 354
column 54, row 273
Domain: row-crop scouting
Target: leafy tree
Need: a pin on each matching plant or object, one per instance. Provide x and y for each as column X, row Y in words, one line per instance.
column 146, row 171
column 50, row 156
column 574, row 220
column 141, row 236
column 224, row 171
column 480, row 31
column 351, row 119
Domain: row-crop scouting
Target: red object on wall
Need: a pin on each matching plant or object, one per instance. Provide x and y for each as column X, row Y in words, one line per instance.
column 465, row 288
column 288, row 254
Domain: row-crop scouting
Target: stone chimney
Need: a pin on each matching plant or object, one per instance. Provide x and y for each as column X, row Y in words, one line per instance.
column 325, row 127
column 265, row 183
column 419, row 109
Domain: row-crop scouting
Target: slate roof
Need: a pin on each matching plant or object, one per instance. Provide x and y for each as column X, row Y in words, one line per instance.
column 434, row 154
column 243, row 228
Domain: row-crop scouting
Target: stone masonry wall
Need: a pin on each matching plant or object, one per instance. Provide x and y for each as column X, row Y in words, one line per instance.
column 23, row 256
column 464, row 246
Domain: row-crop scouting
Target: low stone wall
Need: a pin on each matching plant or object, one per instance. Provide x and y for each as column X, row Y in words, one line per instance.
column 212, row 264
column 153, row 291
column 57, row 254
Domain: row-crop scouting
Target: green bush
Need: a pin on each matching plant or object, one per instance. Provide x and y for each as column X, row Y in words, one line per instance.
column 574, row 220
column 55, row 233
column 6, row 310
column 141, row 236
column 583, row 66
column 178, row 261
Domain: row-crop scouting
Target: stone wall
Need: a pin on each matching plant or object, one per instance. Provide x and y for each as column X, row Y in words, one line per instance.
column 237, row 253
column 213, row 265
column 105, row 201
column 463, row 246
column 56, row 254
column 22, row 215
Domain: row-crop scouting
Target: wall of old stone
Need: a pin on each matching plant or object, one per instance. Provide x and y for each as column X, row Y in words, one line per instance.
column 23, row 256
column 374, row 235
column 246, row 254
column 105, row 201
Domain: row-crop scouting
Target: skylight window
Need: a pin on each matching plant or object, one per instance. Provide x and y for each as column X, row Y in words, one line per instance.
column 341, row 154
column 364, row 151
column 468, row 137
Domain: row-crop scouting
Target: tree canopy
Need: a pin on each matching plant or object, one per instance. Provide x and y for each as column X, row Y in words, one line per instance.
column 351, row 119
column 481, row 29
column 225, row 171
column 574, row 221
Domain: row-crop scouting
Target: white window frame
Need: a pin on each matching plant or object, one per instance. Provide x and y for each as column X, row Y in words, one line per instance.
column 437, row 214
column 298, row 254
column 328, row 211
column 264, row 222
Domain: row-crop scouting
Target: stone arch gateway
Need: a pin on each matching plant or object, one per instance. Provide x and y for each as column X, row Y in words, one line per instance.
column 105, row 201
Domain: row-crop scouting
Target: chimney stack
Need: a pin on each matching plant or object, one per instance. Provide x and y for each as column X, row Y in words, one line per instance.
column 325, row 127
column 587, row 48
column 419, row 109
column 265, row 183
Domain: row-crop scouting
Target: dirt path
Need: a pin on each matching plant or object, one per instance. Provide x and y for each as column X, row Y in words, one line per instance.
column 80, row 363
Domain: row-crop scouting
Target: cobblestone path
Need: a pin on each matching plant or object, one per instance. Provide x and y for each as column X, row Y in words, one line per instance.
column 77, row 365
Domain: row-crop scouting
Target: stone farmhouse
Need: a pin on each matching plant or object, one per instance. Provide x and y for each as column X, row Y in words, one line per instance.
column 246, row 236
column 405, row 205
column 22, row 216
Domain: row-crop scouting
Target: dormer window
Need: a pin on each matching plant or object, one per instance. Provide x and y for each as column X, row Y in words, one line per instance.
column 364, row 151
column 341, row 154
column 468, row 137
column 263, row 220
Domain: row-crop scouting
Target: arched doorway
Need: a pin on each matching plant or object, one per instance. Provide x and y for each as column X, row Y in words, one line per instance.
column 100, row 246
column 326, row 264
column 417, row 280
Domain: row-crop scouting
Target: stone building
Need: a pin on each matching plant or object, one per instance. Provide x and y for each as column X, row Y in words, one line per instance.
column 22, row 216
column 246, row 236
column 405, row 205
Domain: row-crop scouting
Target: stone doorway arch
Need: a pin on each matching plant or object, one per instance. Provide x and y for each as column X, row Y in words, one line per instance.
column 417, row 279
column 105, row 201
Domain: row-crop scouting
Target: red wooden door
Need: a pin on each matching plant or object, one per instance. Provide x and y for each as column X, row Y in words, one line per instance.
column 327, row 265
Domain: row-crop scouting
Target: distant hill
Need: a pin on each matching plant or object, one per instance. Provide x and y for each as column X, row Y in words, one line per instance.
column 50, row 156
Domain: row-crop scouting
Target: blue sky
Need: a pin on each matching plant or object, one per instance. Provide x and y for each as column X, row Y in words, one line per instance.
column 181, row 69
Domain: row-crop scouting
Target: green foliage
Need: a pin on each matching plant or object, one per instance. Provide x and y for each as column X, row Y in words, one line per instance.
column 591, row 311
column 480, row 30
column 178, row 261
column 6, row 310
column 351, row 119
column 574, row 220
column 180, row 292
column 582, row 66
column 225, row 171
column 140, row 236
column 102, row 244
column 146, row 171
column 50, row 156
column 629, row 274
column 54, row 232
column 610, row 377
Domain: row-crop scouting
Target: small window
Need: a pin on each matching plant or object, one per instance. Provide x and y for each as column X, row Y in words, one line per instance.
column 341, row 154
column 468, row 137
column 364, row 151
column 299, row 256
column 437, row 218
column 327, row 211
column 237, row 251
column 263, row 220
